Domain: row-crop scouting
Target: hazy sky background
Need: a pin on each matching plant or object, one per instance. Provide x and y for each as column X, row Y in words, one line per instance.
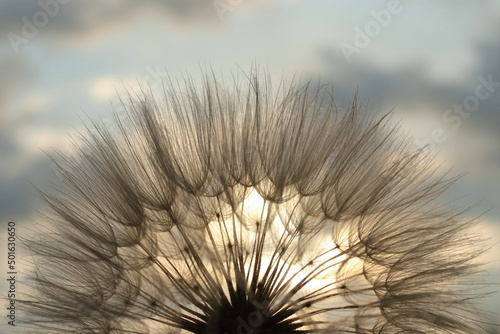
column 62, row 61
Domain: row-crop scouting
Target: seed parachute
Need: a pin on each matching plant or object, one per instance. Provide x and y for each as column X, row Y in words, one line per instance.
column 249, row 208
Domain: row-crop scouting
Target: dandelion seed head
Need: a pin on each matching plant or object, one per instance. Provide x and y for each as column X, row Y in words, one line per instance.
column 221, row 209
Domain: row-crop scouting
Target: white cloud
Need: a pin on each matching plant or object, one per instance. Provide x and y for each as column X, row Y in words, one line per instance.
column 105, row 88
column 491, row 230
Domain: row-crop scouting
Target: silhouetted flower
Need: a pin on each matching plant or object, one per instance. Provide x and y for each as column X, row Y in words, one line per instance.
column 250, row 210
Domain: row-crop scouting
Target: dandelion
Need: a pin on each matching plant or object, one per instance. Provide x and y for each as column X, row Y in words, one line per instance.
column 243, row 208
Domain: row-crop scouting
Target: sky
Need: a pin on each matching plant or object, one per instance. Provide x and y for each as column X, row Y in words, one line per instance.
column 437, row 63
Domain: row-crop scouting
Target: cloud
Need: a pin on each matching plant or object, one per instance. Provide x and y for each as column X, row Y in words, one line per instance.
column 93, row 19
column 15, row 73
column 105, row 88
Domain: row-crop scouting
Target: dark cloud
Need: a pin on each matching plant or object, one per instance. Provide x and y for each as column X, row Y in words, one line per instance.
column 475, row 145
column 489, row 64
column 18, row 194
column 15, row 72
column 70, row 18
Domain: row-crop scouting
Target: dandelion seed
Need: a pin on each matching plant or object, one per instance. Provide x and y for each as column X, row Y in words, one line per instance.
column 219, row 210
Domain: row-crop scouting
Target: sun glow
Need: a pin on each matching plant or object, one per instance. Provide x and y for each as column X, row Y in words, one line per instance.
column 277, row 228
